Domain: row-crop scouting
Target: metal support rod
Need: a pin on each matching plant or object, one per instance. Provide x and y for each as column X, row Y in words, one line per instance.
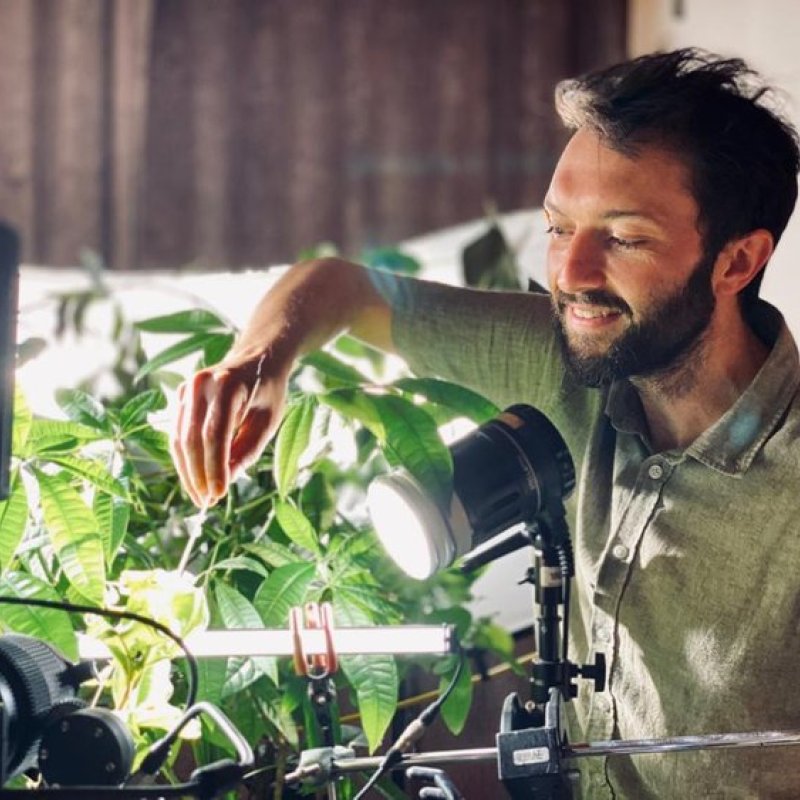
column 682, row 743
column 601, row 748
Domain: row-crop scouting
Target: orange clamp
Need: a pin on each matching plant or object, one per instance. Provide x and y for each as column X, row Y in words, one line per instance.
column 314, row 616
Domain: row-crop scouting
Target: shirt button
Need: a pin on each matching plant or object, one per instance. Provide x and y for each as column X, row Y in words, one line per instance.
column 603, row 635
column 655, row 471
column 620, row 551
column 601, row 702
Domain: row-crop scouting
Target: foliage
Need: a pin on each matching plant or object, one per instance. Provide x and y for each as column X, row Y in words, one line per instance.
column 96, row 515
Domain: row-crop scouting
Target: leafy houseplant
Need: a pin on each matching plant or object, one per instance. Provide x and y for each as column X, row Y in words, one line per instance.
column 95, row 515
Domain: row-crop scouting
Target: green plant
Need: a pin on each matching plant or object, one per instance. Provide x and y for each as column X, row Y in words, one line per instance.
column 96, row 515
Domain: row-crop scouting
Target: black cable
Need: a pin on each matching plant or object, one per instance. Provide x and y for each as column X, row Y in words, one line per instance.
column 191, row 691
column 566, row 560
column 158, row 752
column 412, row 733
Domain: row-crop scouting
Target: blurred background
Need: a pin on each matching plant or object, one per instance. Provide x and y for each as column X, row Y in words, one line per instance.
column 188, row 135
column 167, row 134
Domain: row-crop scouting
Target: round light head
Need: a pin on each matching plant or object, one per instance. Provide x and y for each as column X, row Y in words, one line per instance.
column 513, row 469
column 410, row 525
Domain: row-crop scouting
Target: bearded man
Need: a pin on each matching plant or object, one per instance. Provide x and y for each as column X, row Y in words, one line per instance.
column 674, row 386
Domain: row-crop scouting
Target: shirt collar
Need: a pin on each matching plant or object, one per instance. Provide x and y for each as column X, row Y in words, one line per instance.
column 733, row 441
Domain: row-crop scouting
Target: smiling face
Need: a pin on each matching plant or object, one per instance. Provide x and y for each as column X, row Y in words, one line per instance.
column 630, row 285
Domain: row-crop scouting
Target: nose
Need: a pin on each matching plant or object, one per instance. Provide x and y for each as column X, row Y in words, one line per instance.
column 577, row 263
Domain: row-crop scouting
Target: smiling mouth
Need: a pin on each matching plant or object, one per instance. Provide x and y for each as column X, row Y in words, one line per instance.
column 593, row 312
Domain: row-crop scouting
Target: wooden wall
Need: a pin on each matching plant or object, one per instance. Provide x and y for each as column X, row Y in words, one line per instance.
column 228, row 133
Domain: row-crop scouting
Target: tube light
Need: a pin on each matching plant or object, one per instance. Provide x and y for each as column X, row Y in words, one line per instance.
column 396, row 640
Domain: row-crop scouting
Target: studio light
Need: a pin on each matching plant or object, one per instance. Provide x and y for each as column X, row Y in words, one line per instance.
column 512, row 470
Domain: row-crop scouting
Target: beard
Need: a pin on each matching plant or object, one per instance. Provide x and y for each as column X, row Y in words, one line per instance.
column 660, row 343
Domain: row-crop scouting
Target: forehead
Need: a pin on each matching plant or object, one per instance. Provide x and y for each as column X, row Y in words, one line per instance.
column 591, row 177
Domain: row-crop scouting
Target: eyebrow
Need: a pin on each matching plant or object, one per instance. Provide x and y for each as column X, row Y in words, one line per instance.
column 611, row 214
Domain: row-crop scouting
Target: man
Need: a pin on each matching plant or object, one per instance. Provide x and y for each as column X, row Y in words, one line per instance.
column 675, row 388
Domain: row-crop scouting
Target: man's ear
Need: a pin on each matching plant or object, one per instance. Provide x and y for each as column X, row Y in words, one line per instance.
column 741, row 260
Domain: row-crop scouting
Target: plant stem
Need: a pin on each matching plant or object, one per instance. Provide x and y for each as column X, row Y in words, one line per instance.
column 195, row 528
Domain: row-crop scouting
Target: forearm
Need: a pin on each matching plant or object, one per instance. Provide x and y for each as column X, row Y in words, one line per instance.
column 312, row 303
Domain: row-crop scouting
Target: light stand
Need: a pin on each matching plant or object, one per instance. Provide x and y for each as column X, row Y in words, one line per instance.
column 529, row 738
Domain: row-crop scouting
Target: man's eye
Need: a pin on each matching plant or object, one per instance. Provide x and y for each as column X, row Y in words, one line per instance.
column 625, row 244
column 555, row 231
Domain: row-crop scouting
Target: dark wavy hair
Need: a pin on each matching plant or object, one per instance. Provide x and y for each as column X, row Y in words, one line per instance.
column 716, row 114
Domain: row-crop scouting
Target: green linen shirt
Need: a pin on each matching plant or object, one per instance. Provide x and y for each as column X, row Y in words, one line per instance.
column 687, row 561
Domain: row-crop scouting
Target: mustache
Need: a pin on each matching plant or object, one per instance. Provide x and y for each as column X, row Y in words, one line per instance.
column 592, row 298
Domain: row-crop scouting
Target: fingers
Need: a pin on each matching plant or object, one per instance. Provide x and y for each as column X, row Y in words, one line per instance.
column 227, row 406
column 210, row 409
column 252, row 437
column 185, row 443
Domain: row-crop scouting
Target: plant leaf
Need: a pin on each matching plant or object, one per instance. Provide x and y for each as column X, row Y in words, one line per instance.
column 13, row 517
column 92, row 471
column 355, row 404
column 195, row 320
column 50, row 624
column 51, row 435
column 112, row 515
column 237, row 612
column 297, row 526
column 285, row 588
column 217, row 348
column 273, row 554
column 368, row 599
column 83, row 408
column 177, row 351
column 23, row 419
column 154, row 443
column 135, row 411
column 374, row 678
column 240, row 563
column 291, row 442
column 73, row 531
column 455, row 709
column 337, row 373
column 413, row 440
column 211, row 673
column 463, row 401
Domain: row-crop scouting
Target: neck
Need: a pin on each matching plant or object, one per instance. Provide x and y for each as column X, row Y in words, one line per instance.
column 682, row 402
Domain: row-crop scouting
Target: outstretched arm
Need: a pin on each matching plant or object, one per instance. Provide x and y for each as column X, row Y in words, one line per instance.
column 227, row 413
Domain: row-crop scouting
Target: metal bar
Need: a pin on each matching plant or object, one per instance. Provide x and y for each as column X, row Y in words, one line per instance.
column 682, row 743
column 602, row 748
column 344, row 766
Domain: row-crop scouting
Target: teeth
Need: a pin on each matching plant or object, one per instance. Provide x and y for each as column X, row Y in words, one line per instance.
column 592, row 313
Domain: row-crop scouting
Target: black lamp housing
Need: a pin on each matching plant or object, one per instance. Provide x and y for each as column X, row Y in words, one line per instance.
column 511, row 470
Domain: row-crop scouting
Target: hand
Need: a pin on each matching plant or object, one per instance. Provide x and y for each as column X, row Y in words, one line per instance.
column 226, row 416
column 229, row 412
